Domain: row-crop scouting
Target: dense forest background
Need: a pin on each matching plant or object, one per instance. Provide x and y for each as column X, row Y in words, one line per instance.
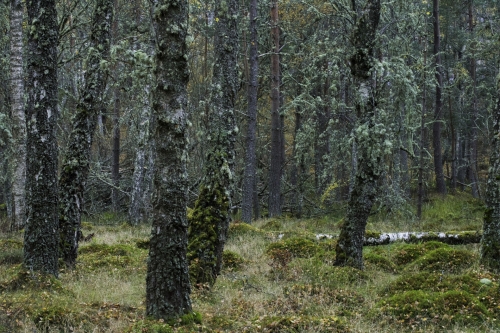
column 318, row 156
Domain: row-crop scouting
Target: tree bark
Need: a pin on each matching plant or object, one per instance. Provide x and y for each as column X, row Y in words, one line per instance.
column 210, row 222
column 349, row 249
column 41, row 236
column 250, row 155
column 18, row 115
column 139, row 197
column 275, row 171
column 490, row 243
column 167, row 280
column 436, row 126
column 75, row 166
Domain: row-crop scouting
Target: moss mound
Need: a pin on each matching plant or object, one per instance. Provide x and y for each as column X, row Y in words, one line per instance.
column 273, row 225
column 434, row 282
column 23, row 278
column 406, row 253
column 444, row 309
column 444, row 260
column 244, row 229
column 294, row 324
column 232, row 261
column 187, row 323
column 297, row 247
column 94, row 256
column 380, row 261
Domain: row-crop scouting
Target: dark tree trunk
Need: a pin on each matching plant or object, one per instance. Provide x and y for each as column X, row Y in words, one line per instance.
column 490, row 242
column 421, row 152
column 115, row 164
column 75, row 166
column 349, row 250
column 250, row 156
column 167, row 280
column 473, row 140
column 41, row 236
column 210, row 223
column 275, row 171
column 436, row 126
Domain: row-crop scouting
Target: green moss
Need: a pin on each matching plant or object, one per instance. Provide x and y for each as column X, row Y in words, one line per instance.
column 273, row 225
column 406, row 253
column 434, row 282
column 232, row 261
column 11, row 256
column 9, row 244
column 95, row 256
column 208, row 215
column 381, row 262
column 419, row 307
column 443, row 260
column 297, row 247
column 294, row 324
column 372, row 234
column 243, row 229
column 185, row 323
column 23, row 278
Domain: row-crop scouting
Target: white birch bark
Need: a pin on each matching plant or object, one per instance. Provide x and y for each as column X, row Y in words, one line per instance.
column 18, row 115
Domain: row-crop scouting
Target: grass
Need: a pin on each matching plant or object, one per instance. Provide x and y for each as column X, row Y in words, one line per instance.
column 278, row 278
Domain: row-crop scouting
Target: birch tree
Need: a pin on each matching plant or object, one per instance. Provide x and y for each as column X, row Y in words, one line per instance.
column 17, row 114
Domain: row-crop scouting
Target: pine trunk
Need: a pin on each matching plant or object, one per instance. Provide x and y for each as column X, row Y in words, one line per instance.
column 436, row 126
column 349, row 249
column 167, row 280
column 75, row 168
column 250, row 155
column 41, row 236
column 18, row 115
column 210, row 222
column 275, row 170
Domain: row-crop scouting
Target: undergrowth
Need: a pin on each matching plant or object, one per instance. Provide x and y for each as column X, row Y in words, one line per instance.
column 277, row 277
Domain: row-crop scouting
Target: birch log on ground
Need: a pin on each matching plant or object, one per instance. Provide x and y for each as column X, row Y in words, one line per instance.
column 450, row 237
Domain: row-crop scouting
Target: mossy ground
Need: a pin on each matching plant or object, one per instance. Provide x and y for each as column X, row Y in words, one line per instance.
column 277, row 278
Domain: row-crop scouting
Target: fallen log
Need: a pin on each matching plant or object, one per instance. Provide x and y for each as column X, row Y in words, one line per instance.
column 451, row 237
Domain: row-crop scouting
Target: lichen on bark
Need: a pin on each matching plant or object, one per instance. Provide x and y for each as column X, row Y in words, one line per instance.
column 490, row 242
column 167, row 280
column 216, row 187
column 369, row 138
column 75, row 165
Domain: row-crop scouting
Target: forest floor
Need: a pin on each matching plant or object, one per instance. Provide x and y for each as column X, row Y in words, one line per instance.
column 278, row 278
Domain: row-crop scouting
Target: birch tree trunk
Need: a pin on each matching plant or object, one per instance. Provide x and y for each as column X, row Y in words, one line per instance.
column 250, row 156
column 368, row 137
column 167, row 280
column 210, row 222
column 139, row 210
column 75, row 166
column 18, row 115
column 41, row 236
